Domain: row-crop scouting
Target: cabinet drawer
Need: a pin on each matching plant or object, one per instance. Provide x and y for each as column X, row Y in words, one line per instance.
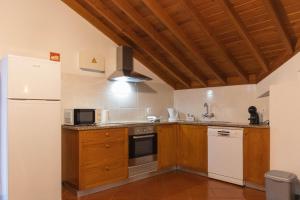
column 103, row 174
column 103, row 136
column 99, row 153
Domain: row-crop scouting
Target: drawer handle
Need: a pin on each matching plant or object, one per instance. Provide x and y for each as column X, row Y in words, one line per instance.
column 107, row 169
column 107, row 146
column 106, row 134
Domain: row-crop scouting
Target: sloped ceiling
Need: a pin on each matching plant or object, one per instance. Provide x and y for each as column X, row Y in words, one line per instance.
column 201, row 43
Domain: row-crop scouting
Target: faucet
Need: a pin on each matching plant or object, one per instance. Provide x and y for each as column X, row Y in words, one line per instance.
column 207, row 114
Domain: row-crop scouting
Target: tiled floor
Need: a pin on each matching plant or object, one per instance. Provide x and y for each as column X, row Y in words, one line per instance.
column 174, row 186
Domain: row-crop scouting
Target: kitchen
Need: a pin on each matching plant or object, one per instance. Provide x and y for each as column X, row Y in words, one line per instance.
column 70, row 34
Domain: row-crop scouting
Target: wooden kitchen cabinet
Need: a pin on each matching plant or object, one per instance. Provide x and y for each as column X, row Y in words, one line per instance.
column 256, row 155
column 94, row 157
column 167, row 146
column 192, row 147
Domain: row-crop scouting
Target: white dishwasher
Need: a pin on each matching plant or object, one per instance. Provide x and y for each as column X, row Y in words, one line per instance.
column 225, row 154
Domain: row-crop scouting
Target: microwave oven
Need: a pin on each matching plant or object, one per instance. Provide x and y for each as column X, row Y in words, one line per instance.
column 80, row 116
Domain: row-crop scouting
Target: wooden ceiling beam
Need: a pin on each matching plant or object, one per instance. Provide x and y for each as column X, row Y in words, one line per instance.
column 156, row 70
column 274, row 14
column 77, row 7
column 212, row 36
column 161, row 14
column 229, row 10
column 126, row 30
column 131, row 12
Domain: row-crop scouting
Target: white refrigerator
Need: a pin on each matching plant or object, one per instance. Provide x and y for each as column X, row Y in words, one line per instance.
column 30, row 129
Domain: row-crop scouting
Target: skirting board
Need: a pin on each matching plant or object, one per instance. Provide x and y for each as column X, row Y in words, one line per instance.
column 191, row 171
column 113, row 185
column 254, row 186
column 144, row 176
column 226, row 179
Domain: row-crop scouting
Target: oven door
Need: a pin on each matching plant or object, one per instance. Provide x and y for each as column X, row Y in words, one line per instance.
column 142, row 148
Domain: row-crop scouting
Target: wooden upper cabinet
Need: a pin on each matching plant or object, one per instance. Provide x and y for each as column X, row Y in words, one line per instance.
column 192, row 147
column 256, row 154
column 167, row 146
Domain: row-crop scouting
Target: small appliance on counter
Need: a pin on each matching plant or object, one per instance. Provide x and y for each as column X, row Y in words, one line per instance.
column 104, row 116
column 153, row 119
column 190, row 117
column 254, row 117
column 150, row 117
column 80, row 116
column 173, row 115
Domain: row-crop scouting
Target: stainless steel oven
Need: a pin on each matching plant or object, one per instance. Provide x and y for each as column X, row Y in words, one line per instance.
column 142, row 149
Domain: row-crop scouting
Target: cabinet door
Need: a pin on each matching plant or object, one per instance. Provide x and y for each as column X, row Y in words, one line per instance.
column 108, row 172
column 70, row 157
column 192, row 151
column 167, row 146
column 103, row 157
column 256, row 154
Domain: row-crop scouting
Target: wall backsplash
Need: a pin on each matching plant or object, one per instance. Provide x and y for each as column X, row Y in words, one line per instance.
column 128, row 102
column 229, row 103
column 125, row 102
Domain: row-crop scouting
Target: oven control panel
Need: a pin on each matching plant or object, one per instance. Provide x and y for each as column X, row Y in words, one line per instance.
column 141, row 130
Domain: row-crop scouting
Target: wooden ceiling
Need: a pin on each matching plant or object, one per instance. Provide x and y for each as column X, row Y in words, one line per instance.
column 201, row 43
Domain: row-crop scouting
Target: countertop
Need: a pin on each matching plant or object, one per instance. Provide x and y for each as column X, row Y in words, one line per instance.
column 133, row 124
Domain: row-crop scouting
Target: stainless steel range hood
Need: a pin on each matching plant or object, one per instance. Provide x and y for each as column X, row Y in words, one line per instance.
column 124, row 70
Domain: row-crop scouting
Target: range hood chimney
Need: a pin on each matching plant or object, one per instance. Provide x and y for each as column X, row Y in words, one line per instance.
column 124, row 70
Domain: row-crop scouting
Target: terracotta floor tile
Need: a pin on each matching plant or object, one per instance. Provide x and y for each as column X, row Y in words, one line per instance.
column 173, row 186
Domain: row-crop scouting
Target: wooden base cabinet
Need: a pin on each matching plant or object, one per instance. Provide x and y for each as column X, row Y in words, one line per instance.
column 192, row 147
column 94, row 157
column 167, row 146
column 256, row 155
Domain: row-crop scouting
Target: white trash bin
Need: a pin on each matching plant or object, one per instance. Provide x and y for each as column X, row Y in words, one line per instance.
column 280, row 185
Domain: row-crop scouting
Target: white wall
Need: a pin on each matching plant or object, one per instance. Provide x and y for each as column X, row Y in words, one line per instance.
column 288, row 72
column 284, row 87
column 285, row 127
column 36, row 27
column 228, row 103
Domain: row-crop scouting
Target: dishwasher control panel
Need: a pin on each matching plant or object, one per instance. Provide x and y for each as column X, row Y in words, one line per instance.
column 226, row 131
